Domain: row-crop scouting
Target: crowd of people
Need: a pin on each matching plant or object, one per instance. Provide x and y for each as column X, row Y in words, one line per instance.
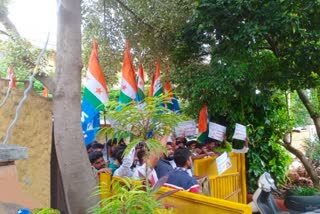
column 139, row 163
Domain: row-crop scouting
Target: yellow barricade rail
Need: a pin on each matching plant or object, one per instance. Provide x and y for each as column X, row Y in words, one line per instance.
column 185, row 202
column 231, row 184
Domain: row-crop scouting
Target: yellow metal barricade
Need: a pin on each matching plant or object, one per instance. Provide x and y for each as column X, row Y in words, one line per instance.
column 231, row 184
column 185, row 202
column 228, row 190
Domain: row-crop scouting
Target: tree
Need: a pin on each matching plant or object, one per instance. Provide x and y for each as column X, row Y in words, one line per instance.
column 77, row 178
column 149, row 26
column 4, row 19
column 255, row 49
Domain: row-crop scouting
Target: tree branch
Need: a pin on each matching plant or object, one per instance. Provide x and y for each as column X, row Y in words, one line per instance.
column 306, row 102
column 3, row 32
column 134, row 14
column 306, row 163
column 314, row 114
column 4, row 19
column 47, row 81
column 273, row 46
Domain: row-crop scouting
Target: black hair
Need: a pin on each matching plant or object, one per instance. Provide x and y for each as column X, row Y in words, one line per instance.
column 169, row 143
column 141, row 145
column 117, row 154
column 88, row 146
column 211, row 140
column 140, row 155
column 93, row 156
column 97, row 146
column 180, row 156
column 199, row 145
column 181, row 140
column 94, row 142
column 192, row 142
column 114, row 141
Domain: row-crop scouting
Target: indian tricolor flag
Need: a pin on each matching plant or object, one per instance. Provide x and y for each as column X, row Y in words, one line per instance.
column 94, row 97
column 156, row 86
column 168, row 90
column 203, row 124
column 140, row 83
column 129, row 87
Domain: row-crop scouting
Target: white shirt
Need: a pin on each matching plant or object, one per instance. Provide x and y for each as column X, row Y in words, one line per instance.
column 124, row 170
column 140, row 173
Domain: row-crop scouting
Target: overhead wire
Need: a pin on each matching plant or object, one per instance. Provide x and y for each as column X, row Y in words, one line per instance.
column 6, row 97
column 32, row 76
column 26, row 91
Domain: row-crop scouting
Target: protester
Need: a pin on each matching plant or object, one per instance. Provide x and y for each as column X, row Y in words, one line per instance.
column 164, row 167
column 112, row 144
column 97, row 147
column 200, row 151
column 211, row 144
column 179, row 177
column 97, row 162
column 116, row 156
column 181, row 142
column 124, row 165
column 147, row 169
column 89, row 148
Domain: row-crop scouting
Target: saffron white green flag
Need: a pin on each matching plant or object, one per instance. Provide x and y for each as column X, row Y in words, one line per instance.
column 140, row 83
column 156, row 86
column 94, row 97
column 129, row 87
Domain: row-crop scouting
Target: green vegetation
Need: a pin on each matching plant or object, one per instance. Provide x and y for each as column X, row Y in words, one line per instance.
column 243, row 59
column 303, row 191
column 143, row 122
column 45, row 211
column 127, row 197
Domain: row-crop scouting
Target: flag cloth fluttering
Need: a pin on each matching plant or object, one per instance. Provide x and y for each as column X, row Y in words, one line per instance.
column 203, row 124
column 156, row 88
column 168, row 90
column 151, row 87
column 45, row 92
column 140, row 83
column 129, row 88
column 12, row 77
column 94, row 97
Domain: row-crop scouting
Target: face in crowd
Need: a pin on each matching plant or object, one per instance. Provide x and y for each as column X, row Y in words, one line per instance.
column 96, row 160
column 99, row 163
column 170, row 152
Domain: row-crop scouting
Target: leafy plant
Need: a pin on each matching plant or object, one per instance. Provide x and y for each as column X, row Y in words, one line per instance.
column 142, row 122
column 303, row 191
column 224, row 147
column 127, row 196
column 313, row 151
column 45, row 211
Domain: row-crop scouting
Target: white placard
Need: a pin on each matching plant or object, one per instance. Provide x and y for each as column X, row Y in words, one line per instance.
column 223, row 163
column 186, row 128
column 240, row 132
column 217, row 131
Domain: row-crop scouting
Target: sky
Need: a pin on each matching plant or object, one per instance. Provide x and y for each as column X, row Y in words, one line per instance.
column 33, row 19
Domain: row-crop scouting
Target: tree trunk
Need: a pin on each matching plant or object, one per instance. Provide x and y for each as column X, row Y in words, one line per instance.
column 4, row 19
column 77, row 178
column 306, row 163
column 314, row 114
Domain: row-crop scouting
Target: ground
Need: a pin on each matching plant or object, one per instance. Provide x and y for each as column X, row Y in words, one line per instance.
column 33, row 130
